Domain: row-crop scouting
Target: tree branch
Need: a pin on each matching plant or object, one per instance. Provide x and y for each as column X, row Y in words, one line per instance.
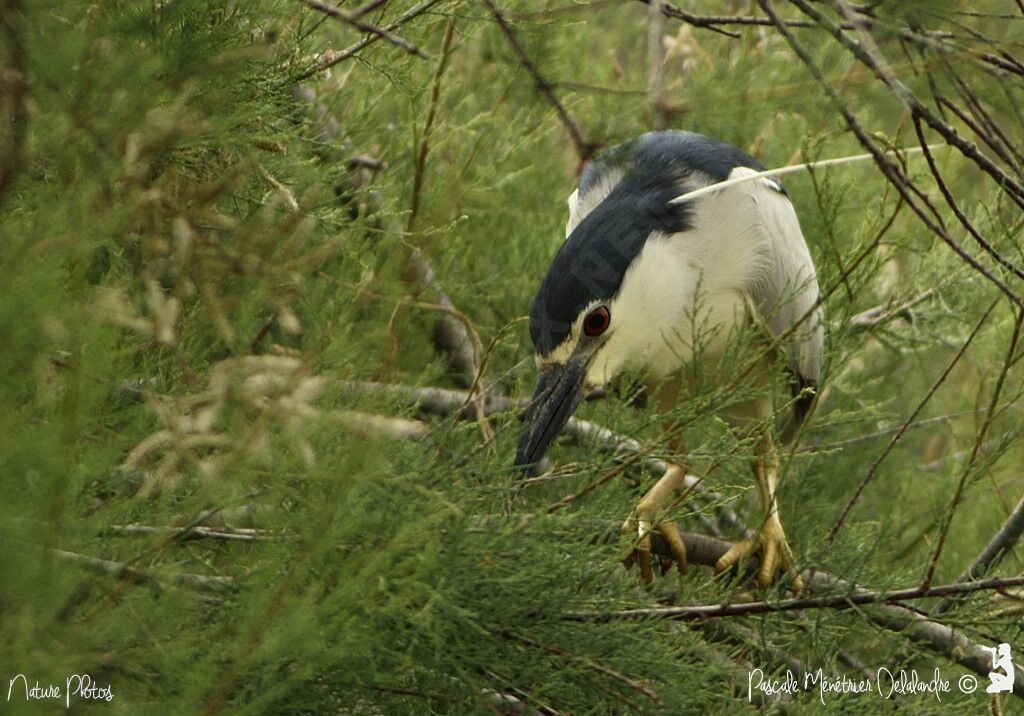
column 895, row 177
column 836, row 601
column 197, row 532
column 353, row 20
column 938, row 638
column 873, row 470
column 197, row 582
column 332, row 57
column 13, row 93
column 440, row 401
column 1002, row 542
column 862, row 53
column 584, row 149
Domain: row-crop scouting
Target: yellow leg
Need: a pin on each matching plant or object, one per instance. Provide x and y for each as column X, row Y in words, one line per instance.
column 771, row 539
column 647, row 518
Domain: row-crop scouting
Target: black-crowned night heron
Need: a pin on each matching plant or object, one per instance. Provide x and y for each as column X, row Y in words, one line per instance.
column 657, row 280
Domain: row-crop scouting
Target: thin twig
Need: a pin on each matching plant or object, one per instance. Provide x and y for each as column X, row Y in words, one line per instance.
column 14, row 92
column 789, row 169
column 197, row 582
column 899, row 180
column 353, row 20
column 906, row 424
column 632, row 683
column 939, row 638
column 445, row 304
column 198, row 532
column 330, row 58
column 584, row 149
column 836, row 601
column 1002, row 542
column 840, row 444
column 976, row 449
column 423, row 150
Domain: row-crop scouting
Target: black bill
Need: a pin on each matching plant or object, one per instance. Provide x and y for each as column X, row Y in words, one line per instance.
column 559, row 391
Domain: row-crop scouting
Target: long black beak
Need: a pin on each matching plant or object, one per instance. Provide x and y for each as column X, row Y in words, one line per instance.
column 559, row 391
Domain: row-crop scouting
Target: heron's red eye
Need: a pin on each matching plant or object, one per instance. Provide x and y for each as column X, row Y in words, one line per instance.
column 597, row 321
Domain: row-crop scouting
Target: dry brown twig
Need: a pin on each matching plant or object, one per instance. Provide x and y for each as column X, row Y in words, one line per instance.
column 914, row 198
column 584, row 149
column 423, row 272
column 938, row 638
column 230, row 534
column 440, row 401
column 121, row 570
column 329, row 58
column 628, row 681
column 873, row 469
column 354, row 20
column 13, row 95
column 656, row 64
column 979, row 440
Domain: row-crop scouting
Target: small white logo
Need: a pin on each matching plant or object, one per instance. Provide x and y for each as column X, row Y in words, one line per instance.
column 1001, row 660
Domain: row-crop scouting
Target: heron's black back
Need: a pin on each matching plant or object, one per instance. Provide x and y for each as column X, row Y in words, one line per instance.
column 591, row 263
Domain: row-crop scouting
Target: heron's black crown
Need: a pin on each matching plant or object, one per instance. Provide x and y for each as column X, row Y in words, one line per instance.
column 591, row 263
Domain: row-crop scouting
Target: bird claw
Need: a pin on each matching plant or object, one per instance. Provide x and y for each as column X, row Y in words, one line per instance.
column 774, row 551
column 640, row 553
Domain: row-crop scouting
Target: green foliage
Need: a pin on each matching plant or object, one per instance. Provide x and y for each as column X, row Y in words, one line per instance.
column 195, row 269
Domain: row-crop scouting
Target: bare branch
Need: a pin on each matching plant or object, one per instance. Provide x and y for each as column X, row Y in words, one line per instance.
column 332, row 57
column 197, row 532
column 906, row 424
column 892, row 173
column 976, row 449
column 584, row 149
column 188, row 580
column 861, row 51
column 1001, row 543
column 353, row 20
column 938, row 638
column 837, row 601
column 13, row 93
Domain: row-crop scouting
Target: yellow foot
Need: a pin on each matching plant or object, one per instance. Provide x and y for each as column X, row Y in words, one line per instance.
column 774, row 551
column 638, row 529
